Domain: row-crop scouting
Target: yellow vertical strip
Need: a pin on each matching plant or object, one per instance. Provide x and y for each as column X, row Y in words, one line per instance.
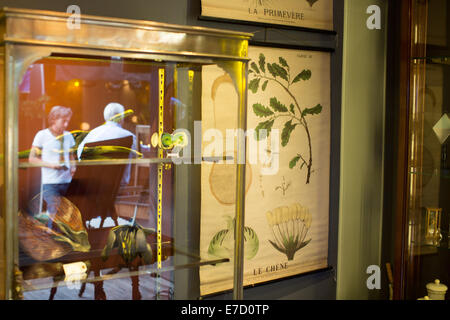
column 160, row 179
column 191, row 77
column 160, row 166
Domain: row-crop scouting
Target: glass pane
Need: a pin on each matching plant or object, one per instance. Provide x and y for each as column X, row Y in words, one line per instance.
column 429, row 175
column 220, row 101
column 2, row 184
column 429, row 221
column 111, row 178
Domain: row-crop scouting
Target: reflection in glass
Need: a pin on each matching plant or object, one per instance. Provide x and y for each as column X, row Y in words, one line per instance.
column 115, row 216
column 2, row 184
column 52, row 151
column 433, row 226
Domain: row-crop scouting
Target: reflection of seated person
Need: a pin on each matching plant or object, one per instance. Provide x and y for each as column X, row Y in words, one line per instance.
column 111, row 129
column 51, row 150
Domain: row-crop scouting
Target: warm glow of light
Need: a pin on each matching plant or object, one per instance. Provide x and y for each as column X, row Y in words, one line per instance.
column 76, row 83
column 85, row 126
column 134, row 119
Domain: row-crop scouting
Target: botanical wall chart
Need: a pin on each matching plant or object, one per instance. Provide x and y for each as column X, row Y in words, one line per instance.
column 287, row 191
column 317, row 14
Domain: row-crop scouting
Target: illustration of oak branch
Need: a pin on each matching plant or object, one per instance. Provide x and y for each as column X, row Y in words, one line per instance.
column 280, row 74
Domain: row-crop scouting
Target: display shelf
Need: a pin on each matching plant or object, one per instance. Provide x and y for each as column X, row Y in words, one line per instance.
column 443, row 60
column 148, row 161
column 442, row 173
column 424, row 250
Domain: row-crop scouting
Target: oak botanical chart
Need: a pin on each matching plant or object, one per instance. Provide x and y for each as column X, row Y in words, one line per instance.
column 317, row 14
column 288, row 161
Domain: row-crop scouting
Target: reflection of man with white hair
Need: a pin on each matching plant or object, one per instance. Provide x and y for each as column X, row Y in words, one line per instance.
column 111, row 129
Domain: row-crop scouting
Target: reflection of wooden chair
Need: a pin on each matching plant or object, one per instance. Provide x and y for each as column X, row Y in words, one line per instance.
column 93, row 190
column 94, row 187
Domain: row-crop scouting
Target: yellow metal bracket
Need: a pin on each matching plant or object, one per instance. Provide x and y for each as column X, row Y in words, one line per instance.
column 160, row 177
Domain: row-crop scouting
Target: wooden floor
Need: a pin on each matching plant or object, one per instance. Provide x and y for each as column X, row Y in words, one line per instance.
column 116, row 289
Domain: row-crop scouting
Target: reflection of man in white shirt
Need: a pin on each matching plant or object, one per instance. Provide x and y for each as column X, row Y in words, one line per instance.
column 110, row 130
column 51, row 150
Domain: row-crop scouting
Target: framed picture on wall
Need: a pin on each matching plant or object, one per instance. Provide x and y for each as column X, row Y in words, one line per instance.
column 315, row 14
column 287, row 169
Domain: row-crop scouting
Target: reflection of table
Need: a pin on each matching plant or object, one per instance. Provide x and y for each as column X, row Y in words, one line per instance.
column 36, row 274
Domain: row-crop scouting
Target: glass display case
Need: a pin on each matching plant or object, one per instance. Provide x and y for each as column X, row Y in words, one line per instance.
column 424, row 253
column 102, row 155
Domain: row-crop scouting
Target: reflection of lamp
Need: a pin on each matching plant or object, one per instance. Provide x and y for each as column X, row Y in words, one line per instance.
column 168, row 141
column 85, row 126
column 442, row 128
column 114, row 85
column 433, row 226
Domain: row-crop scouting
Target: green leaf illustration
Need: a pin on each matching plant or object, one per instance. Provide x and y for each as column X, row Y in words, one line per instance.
column 267, row 126
column 274, row 72
column 286, row 133
column 280, row 71
column 304, row 75
column 283, row 62
column 271, row 70
column 254, row 85
column 262, row 62
column 251, row 243
column 277, row 105
column 292, row 108
column 303, row 244
column 293, row 162
column 262, row 111
column 277, row 247
column 222, row 244
column 254, row 67
column 315, row 110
